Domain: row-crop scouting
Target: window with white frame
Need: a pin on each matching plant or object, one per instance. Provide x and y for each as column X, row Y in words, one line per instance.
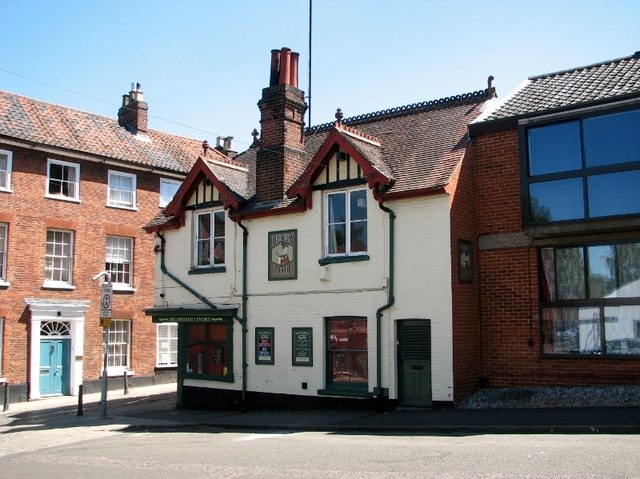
column 63, row 180
column 209, row 239
column 168, row 189
column 119, row 351
column 59, row 258
column 4, row 228
column 119, row 261
column 167, row 345
column 345, row 223
column 121, row 190
column 6, row 158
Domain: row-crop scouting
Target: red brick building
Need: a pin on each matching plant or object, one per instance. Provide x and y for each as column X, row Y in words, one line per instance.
column 75, row 190
column 557, row 169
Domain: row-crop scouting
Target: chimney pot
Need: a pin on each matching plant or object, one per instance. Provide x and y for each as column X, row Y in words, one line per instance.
column 293, row 75
column 285, row 65
column 275, row 67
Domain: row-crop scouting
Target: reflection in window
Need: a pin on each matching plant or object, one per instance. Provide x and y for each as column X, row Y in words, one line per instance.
column 611, row 139
column 210, row 239
column 614, row 194
column 347, row 352
column 556, row 201
column 208, row 349
column 554, row 148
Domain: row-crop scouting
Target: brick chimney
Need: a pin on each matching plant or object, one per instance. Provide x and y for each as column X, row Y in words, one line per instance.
column 132, row 115
column 281, row 157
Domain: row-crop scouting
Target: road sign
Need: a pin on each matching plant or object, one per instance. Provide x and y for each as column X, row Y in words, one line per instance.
column 106, row 298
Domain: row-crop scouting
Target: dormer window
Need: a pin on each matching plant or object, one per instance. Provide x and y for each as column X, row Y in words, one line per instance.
column 345, row 223
column 121, row 190
column 209, row 239
column 63, row 180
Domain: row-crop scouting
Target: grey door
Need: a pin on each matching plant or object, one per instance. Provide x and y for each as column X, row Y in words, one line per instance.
column 414, row 362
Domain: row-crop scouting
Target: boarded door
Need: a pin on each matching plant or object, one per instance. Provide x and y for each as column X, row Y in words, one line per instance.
column 414, row 362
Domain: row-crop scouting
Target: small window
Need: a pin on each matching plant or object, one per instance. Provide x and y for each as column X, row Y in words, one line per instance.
column 209, row 239
column 4, row 228
column 347, row 353
column 121, row 190
column 118, row 354
column 63, row 180
column 168, row 189
column 119, row 261
column 346, row 223
column 59, row 258
column 6, row 158
column 167, row 345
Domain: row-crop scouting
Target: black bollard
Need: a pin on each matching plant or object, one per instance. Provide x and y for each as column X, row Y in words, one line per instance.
column 5, row 406
column 126, row 384
column 80, row 392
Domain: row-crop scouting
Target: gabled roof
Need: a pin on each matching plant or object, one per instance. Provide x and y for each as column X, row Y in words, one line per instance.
column 613, row 80
column 55, row 126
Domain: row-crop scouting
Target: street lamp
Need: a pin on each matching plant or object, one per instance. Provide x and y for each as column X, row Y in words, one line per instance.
column 105, row 321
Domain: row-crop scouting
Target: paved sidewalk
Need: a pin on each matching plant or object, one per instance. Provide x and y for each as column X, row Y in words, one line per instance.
column 153, row 407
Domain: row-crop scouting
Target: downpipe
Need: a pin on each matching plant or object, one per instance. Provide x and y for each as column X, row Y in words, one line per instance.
column 243, row 320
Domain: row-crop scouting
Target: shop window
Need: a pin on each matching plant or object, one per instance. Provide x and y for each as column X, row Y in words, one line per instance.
column 167, row 345
column 347, row 354
column 591, row 299
column 208, row 350
column 586, row 168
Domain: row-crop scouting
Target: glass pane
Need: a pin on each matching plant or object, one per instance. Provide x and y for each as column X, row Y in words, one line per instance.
column 628, row 270
column 358, row 205
column 554, row 148
column 195, row 359
column 218, row 251
column 570, row 273
column 204, row 226
column 548, row 287
column 621, row 328
column 614, row 194
column 337, row 208
column 556, row 201
column 358, row 367
column 218, row 332
column 358, row 237
column 217, row 359
column 338, row 334
column 219, row 224
column 336, row 235
column 612, row 139
column 195, row 331
column 358, row 335
column 338, row 366
column 602, row 271
column 571, row 331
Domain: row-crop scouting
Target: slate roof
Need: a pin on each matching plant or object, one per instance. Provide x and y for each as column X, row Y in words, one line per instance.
column 603, row 82
column 52, row 125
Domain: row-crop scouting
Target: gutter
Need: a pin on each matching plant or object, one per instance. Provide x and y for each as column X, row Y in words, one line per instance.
column 379, row 391
column 243, row 320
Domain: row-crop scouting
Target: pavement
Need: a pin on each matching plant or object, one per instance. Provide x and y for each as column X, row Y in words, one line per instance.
column 152, row 408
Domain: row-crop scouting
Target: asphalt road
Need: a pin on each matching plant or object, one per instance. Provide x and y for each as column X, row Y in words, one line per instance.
column 210, row 453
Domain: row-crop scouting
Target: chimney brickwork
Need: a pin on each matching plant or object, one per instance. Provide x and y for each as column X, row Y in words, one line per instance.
column 133, row 114
column 281, row 157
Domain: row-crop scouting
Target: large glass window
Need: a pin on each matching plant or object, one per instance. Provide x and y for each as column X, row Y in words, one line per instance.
column 208, row 350
column 6, row 158
column 119, row 260
column 59, row 258
column 63, row 180
column 119, row 351
column 346, row 223
column 167, row 345
column 582, row 169
column 122, row 190
column 209, row 239
column 591, row 299
column 347, row 353
column 4, row 228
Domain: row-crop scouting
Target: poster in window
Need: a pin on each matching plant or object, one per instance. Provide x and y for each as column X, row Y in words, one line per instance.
column 465, row 261
column 283, row 255
column 264, row 346
column 302, row 346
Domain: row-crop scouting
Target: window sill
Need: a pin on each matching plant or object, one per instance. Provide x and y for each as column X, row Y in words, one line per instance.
column 124, row 289
column 212, row 269
column 63, row 198
column 118, row 372
column 6, row 190
column 343, row 259
column 4, row 284
column 345, row 392
column 59, row 286
column 167, row 366
column 204, row 377
column 118, row 207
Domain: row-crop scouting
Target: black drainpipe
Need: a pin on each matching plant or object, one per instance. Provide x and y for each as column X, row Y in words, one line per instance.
column 243, row 320
column 379, row 392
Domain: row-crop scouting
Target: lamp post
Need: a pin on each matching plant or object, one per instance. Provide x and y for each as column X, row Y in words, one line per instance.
column 106, row 295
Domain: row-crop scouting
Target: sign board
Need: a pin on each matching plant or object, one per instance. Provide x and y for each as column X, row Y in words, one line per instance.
column 264, row 346
column 106, row 299
column 302, row 346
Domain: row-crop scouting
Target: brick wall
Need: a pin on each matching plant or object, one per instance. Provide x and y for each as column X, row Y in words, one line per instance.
column 30, row 216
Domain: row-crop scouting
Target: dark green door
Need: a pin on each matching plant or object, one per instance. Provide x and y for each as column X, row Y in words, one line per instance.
column 414, row 362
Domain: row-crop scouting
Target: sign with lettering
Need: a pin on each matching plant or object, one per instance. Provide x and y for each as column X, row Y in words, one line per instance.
column 302, row 346
column 264, row 346
column 283, row 255
column 106, row 299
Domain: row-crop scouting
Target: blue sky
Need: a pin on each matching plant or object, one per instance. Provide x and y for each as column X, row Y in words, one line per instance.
column 203, row 63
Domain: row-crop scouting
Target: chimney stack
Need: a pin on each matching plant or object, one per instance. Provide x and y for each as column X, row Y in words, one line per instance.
column 281, row 157
column 133, row 113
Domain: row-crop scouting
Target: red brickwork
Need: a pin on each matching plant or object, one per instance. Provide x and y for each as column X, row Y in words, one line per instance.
column 91, row 220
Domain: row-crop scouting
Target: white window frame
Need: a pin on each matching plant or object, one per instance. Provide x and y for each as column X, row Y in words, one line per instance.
column 5, row 172
column 119, row 351
column 120, row 253
column 50, row 281
column 116, row 190
column 347, row 222
column 4, row 240
column 167, row 183
column 211, row 239
column 76, row 183
column 167, row 345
